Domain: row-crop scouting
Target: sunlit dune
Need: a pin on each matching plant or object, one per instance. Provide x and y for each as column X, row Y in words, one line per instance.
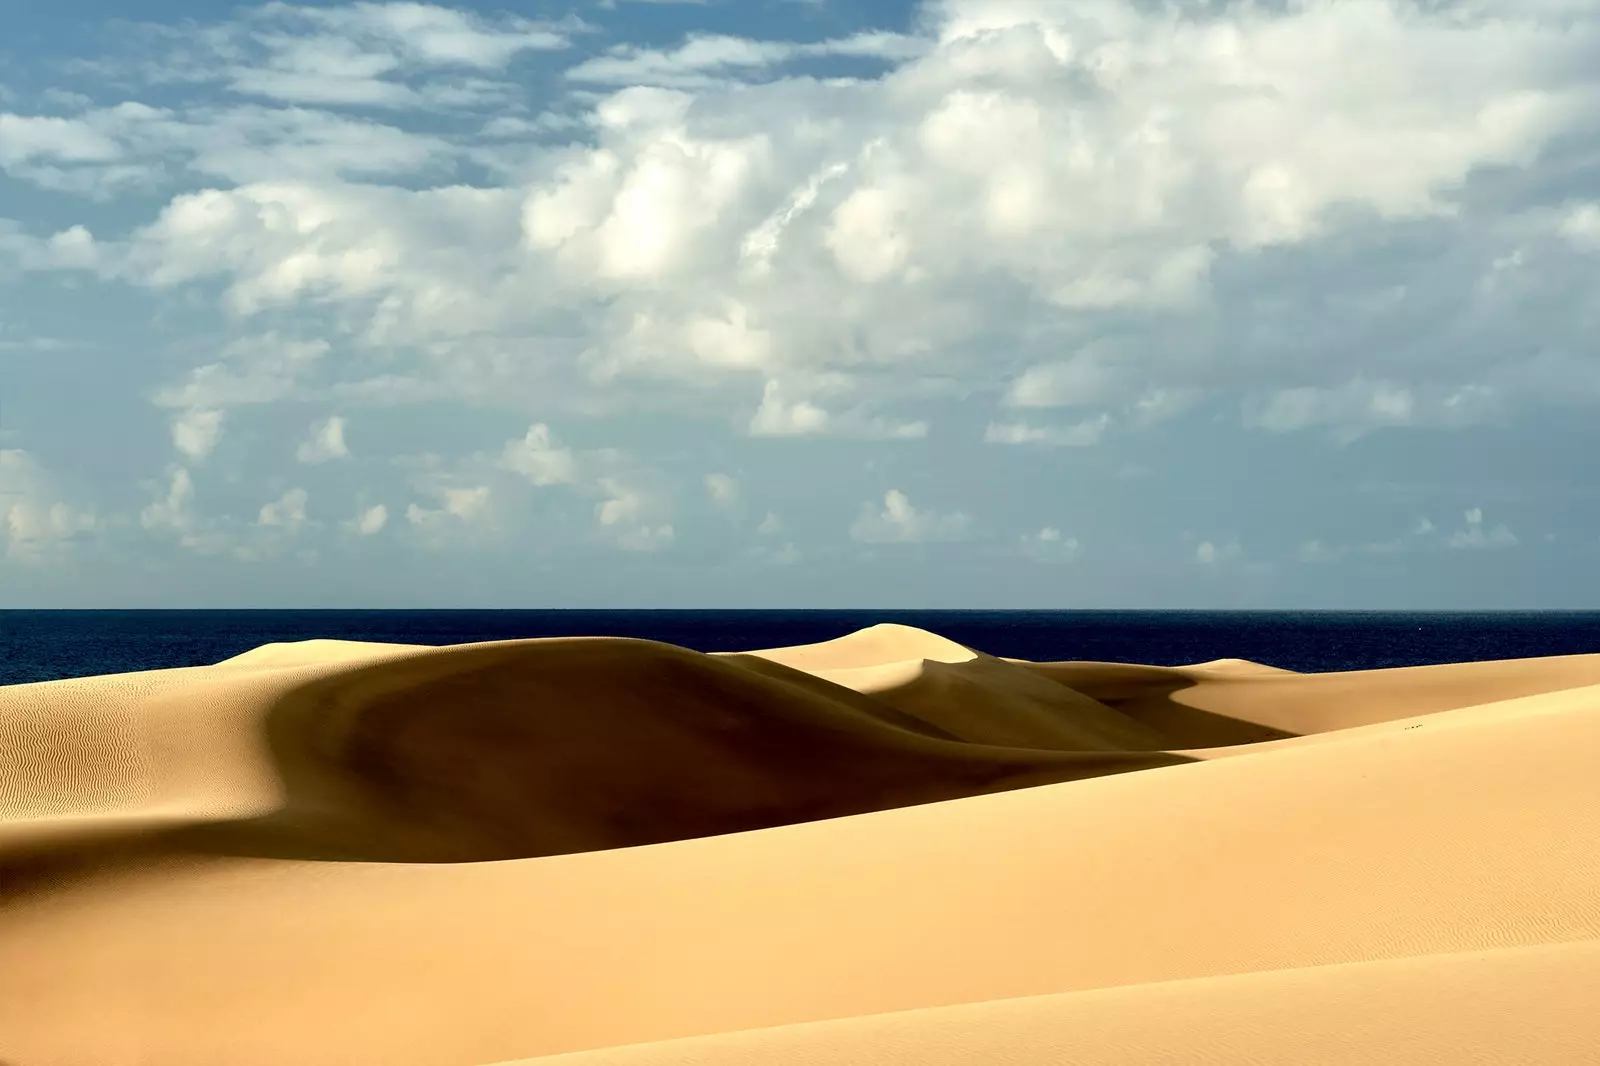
column 886, row 848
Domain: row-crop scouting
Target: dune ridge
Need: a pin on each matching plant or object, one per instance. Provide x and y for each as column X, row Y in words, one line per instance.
column 884, row 848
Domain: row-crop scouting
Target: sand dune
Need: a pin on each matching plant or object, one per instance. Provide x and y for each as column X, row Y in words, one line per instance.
column 886, row 848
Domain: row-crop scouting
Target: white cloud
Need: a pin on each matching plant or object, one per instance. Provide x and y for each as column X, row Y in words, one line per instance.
column 370, row 521
column 780, row 416
column 1077, row 435
column 465, row 504
column 1424, row 536
column 32, row 529
column 783, row 414
column 36, row 522
column 1050, row 545
column 710, row 59
column 325, row 442
column 899, row 522
column 1021, row 174
column 539, row 458
column 1084, row 380
column 1210, row 554
column 173, row 512
column 287, row 512
column 1581, row 226
column 1477, row 535
column 27, row 138
column 627, row 516
column 723, row 489
column 1098, row 208
column 253, row 370
column 361, row 54
column 196, row 432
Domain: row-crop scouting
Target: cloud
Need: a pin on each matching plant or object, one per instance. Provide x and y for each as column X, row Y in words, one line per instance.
column 287, row 512
column 1423, row 536
column 172, row 512
column 37, row 524
column 626, row 515
column 779, row 416
column 325, row 442
column 1078, row 435
column 1581, row 226
column 387, row 55
column 1476, row 535
column 29, row 138
column 1058, row 205
column 782, row 414
column 196, row 432
column 1050, row 545
column 1084, row 380
column 539, row 458
column 464, row 504
column 705, row 60
column 1210, row 554
column 1063, row 217
column 261, row 369
column 723, row 490
column 370, row 521
column 898, row 522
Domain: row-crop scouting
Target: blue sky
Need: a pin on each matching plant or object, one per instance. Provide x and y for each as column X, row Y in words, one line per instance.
column 967, row 303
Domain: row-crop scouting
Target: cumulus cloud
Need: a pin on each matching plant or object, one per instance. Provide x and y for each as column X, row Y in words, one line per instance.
column 287, row 512
column 713, row 59
column 325, row 442
column 723, row 489
column 1477, row 535
column 370, row 521
column 1084, row 380
column 1077, row 435
column 1024, row 180
column 261, row 369
column 1211, row 554
column 172, row 513
column 1581, row 226
column 464, row 504
column 781, row 417
column 628, row 516
column 368, row 54
column 195, row 432
column 1065, row 216
column 539, row 458
column 1050, row 545
column 36, row 522
column 1423, row 536
column 899, row 522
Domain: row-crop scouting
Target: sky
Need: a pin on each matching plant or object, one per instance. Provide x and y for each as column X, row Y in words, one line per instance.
column 801, row 303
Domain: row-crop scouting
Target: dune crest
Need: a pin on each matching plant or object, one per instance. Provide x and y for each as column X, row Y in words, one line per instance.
column 886, row 847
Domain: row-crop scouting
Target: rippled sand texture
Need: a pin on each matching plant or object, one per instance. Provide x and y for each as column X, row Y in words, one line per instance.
column 883, row 849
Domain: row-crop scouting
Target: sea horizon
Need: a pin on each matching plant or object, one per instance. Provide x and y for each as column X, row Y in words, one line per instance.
column 53, row 644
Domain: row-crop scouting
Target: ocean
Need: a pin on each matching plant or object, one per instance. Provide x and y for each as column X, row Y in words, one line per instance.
column 47, row 645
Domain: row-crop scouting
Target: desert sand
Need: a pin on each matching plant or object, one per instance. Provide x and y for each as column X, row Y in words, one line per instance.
column 887, row 848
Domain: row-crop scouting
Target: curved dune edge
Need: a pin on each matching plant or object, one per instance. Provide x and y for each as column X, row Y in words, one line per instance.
column 929, row 831
column 1527, row 1005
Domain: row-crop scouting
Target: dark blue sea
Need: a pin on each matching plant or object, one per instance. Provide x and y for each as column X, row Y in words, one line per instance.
column 45, row 645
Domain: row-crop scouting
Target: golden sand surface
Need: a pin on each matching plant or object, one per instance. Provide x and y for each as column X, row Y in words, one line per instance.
column 886, row 848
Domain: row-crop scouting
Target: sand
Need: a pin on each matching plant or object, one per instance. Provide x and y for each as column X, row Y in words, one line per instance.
column 883, row 849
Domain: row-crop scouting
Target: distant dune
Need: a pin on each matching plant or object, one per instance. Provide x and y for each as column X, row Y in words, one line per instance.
column 886, row 848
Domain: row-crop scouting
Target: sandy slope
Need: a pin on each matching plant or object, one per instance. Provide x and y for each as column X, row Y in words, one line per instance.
column 884, row 848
